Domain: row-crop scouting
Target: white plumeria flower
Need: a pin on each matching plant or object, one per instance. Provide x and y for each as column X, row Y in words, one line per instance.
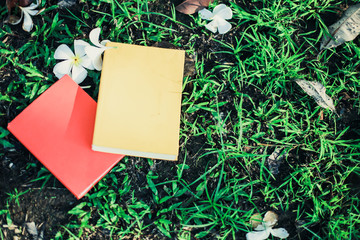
column 26, row 13
column 264, row 229
column 263, row 233
column 94, row 53
column 74, row 64
column 220, row 14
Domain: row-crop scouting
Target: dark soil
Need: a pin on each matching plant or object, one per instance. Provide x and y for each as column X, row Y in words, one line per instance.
column 48, row 204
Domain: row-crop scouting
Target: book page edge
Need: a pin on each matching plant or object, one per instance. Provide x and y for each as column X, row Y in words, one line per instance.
column 162, row 156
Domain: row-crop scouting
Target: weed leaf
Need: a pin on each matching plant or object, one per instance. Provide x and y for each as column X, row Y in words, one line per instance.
column 192, row 6
column 3, row 142
column 344, row 30
column 317, row 91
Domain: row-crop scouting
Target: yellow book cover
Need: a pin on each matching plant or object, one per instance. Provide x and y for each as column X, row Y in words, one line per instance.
column 139, row 103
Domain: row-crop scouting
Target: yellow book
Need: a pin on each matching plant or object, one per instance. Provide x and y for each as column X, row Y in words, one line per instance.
column 139, row 104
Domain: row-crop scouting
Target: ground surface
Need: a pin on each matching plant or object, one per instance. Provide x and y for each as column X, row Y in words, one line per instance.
column 240, row 103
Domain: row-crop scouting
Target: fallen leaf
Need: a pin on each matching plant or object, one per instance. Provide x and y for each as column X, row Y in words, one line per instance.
column 10, row 4
column 25, row 3
column 275, row 159
column 31, row 229
column 344, row 30
column 318, row 92
column 13, row 3
column 192, row 6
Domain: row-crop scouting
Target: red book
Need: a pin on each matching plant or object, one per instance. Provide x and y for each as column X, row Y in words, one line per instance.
column 57, row 128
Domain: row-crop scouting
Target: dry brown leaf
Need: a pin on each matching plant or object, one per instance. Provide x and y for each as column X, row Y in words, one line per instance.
column 192, row 6
column 344, row 30
column 25, row 3
column 10, row 4
column 13, row 3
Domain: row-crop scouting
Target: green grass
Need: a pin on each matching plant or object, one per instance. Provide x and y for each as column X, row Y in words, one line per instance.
column 240, row 105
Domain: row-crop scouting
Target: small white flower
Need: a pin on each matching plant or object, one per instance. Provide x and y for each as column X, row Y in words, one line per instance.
column 264, row 229
column 26, row 13
column 74, row 64
column 94, row 53
column 220, row 14
column 265, row 233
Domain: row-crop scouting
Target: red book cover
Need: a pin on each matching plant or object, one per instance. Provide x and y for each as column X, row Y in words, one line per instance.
column 57, row 128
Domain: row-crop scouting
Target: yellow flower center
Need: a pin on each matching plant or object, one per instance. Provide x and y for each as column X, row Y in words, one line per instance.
column 76, row 60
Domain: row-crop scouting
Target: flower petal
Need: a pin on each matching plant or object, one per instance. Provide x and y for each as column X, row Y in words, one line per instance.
column 38, row 2
column 78, row 74
column 257, row 235
column 34, row 5
column 14, row 20
column 212, row 26
column 260, row 227
column 79, row 47
column 28, row 23
column 223, row 11
column 86, row 62
column 60, row 75
column 29, row 10
column 270, row 219
column 223, row 25
column 94, row 37
column 205, row 14
column 94, row 53
column 103, row 42
column 63, row 52
column 279, row 232
column 62, row 68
